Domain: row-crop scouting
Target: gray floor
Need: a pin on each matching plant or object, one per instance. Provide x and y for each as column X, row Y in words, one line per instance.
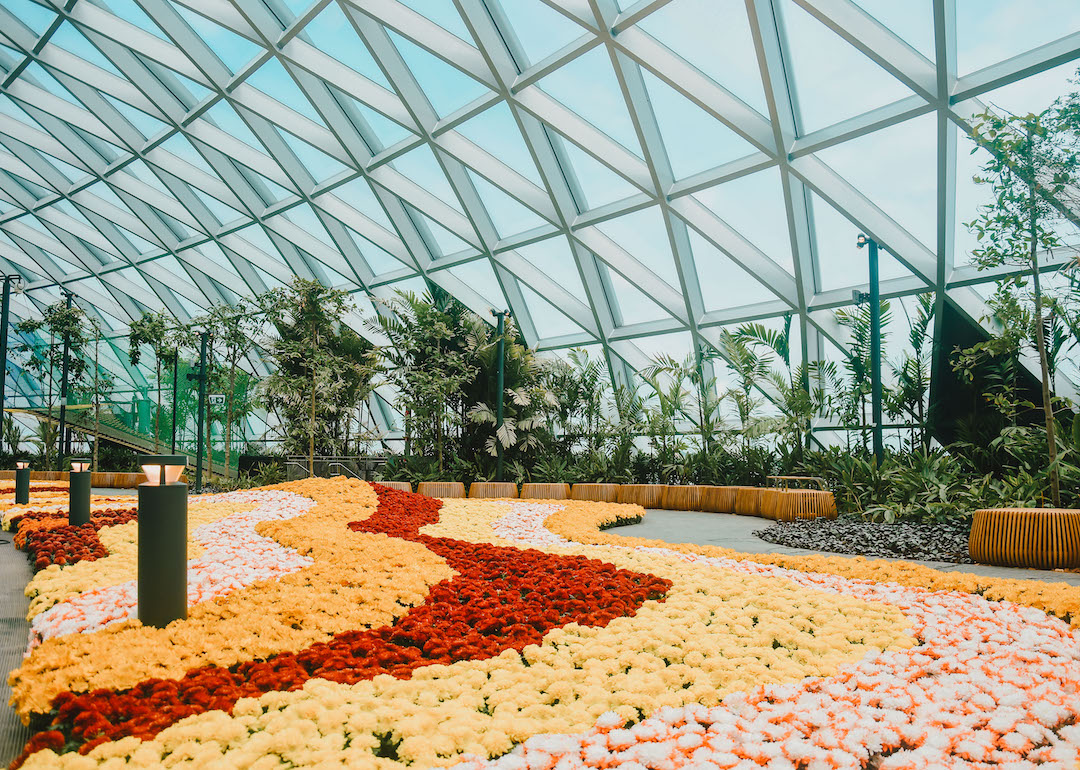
column 15, row 573
column 737, row 532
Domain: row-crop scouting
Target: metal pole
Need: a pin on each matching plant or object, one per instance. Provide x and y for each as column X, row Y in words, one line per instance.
column 875, row 353
column 4, row 341
column 63, row 391
column 500, row 333
column 204, row 338
column 175, row 390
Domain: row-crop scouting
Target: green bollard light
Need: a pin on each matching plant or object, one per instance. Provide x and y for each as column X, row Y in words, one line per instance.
column 79, row 492
column 22, row 482
column 162, row 583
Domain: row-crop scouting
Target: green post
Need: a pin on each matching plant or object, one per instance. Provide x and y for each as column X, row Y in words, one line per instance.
column 79, row 492
column 875, row 347
column 163, row 537
column 175, row 389
column 4, row 342
column 500, row 332
column 68, row 296
column 204, row 338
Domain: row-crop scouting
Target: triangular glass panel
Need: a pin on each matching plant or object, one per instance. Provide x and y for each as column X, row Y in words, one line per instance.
column 70, row 172
column 970, row 196
column 715, row 37
column 495, row 131
column 753, row 205
column 896, row 168
column 840, row 262
column 724, row 284
column 643, row 234
column 540, row 29
column 695, row 141
column 358, row 194
column 479, row 276
column 990, row 31
column 447, row 88
column 318, row 164
column 32, row 15
column 421, row 167
column 274, row 81
column 838, row 86
column 332, row 33
column 509, row 216
column 109, row 152
column 269, row 190
column 912, row 21
column 556, row 261
column 443, row 13
column 446, row 242
column 44, row 79
column 147, row 125
column 194, row 93
column 599, row 184
column 602, row 103
column 1034, row 93
column 178, row 145
column 547, row 319
column 634, row 305
column 233, row 50
column 678, row 345
column 228, row 120
column 387, row 132
column 298, row 6
column 221, row 211
column 71, row 39
column 143, row 246
column 378, row 260
column 302, row 216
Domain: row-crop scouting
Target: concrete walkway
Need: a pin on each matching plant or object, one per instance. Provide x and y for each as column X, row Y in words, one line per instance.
column 737, row 533
column 15, row 573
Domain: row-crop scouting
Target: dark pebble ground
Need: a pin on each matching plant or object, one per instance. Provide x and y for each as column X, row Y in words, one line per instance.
column 922, row 541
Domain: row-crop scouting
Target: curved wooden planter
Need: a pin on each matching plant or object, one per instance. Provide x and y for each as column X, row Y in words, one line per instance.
column 717, row 499
column 493, row 489
column 748, row 501
column 682, row 497
column 444, row 489
column 597, row 493
column 400, row 486
column 645, row 495
column 796, row 504
column 1036, row 538
column 545, row 491
column 769, row 502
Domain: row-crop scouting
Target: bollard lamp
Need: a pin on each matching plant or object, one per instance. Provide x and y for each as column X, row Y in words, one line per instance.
column 79, row 492
column 22, row 482
column 162, row 580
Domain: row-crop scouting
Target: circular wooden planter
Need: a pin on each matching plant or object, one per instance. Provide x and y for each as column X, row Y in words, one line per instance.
column 795, row 504
column 539, row 491
column 717, row 499
column 444, row 489
column 680, row 497
column 645, row 495
column 1036, row 538
column 748, row 501
column 597, row 493
column 493, row 489
column 400, row 486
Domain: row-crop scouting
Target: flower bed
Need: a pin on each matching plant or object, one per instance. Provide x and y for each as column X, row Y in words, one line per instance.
column 390, row 629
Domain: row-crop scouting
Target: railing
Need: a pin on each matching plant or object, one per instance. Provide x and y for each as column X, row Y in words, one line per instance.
column 304, row 468
column 347, row 470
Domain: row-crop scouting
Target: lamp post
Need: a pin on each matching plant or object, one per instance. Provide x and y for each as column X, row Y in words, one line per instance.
column 500, row 332
column 79, row 492
column 162, row 579
column 875, row 345
column 204, row 339
column 4, row 313
column 22, row 482
column 68, row 296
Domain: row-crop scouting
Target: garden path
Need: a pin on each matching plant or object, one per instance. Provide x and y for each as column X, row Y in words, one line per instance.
column 737, row 532
column 15, row 573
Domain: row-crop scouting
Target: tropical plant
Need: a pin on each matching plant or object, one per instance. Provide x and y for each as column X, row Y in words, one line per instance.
column 908, row 396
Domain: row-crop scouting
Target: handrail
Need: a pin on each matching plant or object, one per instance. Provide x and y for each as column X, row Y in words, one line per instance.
column 347, row 469
column 304, row 468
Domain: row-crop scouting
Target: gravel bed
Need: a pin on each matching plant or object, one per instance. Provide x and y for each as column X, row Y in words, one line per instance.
column 923, row 541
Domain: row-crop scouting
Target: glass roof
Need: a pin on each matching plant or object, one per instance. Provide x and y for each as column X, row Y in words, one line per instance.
column 627, row 175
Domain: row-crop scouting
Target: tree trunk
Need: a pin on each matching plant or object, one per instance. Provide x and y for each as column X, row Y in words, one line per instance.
column 209, row 414
column 1040, row 336
column 97, row 402
column 311, row 424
